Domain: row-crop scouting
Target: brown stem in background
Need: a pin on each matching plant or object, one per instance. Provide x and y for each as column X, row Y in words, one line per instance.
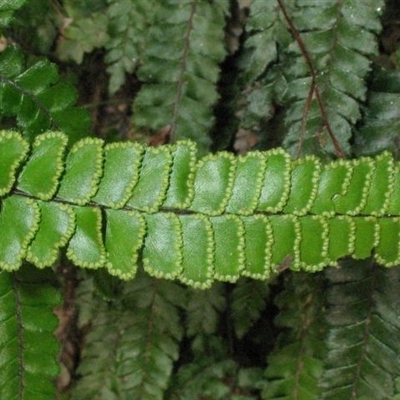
column 315, row 90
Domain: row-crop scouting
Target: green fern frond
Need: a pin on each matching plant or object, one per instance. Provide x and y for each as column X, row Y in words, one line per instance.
column 295, row 366
column 265, row 33
column 185, row 215
column 203, row 311
column 141, row 347
column 36, row 27
column 326, row 81
column 7, row 9
column 37, row 98
column 206, row 378
column 181, row 68
column 83, row 36
column 126, row 43
column 381, row 123
column 28, row 347
column 262, row 37
column 363, row 315
column 248, row 299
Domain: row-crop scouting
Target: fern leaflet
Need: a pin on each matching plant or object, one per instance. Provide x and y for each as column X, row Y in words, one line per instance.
column 28, row 346
column 361, row 361
column 141, row 348
column 37, row 98
column 180, row 69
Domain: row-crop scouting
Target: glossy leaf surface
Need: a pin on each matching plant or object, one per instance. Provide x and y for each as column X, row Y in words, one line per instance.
column 111, row 206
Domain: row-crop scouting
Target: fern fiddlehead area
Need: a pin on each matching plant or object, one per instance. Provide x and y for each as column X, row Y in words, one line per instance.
column 136, row 263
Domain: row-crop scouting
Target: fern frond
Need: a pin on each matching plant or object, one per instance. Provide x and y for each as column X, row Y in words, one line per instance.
column 203, row 310
column 36, row 27
column 380, row 126
column 7, row 9
column 185, row 215
column 141, row 347
column 248, row 299
column 180, row 69
column 362, row 344
column 206, row 378
column 326, row 81
column 83, row 36
column 126, row 42
column 38, row 99
column 265, row 32
column 28, row 347
column 211, row 374
column 295, row 366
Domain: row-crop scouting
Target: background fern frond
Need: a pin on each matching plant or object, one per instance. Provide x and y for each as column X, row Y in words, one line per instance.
column 7, row 9
column 181, row 68
column 82, row 36
column 37, row 99
column 381, row 121
column 28, row 347
column 127, row 40
column 296, row 364
column 362, row 358
column 258, row 77
column 333, row 60
column 248, row 300
column 203, row 311
column 142, row 346
column 207, row 378
column 36, row 26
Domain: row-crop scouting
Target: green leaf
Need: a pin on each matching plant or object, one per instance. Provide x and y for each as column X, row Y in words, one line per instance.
column 126, row 42
column 296, row 364
column 19, row 221
column 13, row 150
column 122, row 249
column 82, row 171
column 122, row 165
column 83, row 35
column 380, row 126
column 28, row 367
column 258, row 246
column 322, row 103
column 197, row 251
column 305, row 174
column 362, row 357
column 57, row 223
column 37, row 98
column 180, row 191
column 162, row 255
column 180, row 69
column 7, row 9
column 276, row 182
column 141, row 348
column 218, row 172
column 207, row 378
column 229, row 239
column 248, row 299
column 41, row 173
column 203, row 310
column 150, row 190
column 250, row 168
column 86, row 248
